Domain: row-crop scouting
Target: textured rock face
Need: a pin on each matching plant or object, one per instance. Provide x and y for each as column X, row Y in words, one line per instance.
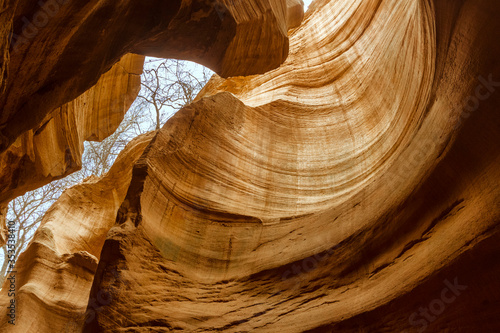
column 52, row 58
column 50, row 64
column 54, row 148
column 55, row 273
column 6, row 13
column 351, row 189
column 60, row 48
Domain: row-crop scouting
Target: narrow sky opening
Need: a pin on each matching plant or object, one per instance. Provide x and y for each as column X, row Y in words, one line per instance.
column 306, row 4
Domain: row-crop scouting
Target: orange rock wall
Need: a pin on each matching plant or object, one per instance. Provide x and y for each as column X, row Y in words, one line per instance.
column 351, row 189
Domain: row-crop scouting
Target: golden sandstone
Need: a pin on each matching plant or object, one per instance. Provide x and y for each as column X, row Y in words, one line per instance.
column 340, row 175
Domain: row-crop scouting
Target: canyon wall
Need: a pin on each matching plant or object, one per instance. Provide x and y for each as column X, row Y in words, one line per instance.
column 60, row 48
column 354, row 188
column 58, row 86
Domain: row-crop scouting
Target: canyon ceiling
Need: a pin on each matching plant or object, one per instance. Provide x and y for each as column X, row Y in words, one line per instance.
column 339, row 174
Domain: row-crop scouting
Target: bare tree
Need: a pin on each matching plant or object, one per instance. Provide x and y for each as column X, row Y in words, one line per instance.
column 29, row 209
column 171, row 84
column 100, row 156
column 166, row 85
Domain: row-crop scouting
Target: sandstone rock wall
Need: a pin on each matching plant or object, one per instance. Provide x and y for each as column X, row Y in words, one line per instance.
column 57, row 51
column 60, row 48
column 344, row 191
column 352, row 182
column 54, row 149
column 55, row 273
column 54, row 52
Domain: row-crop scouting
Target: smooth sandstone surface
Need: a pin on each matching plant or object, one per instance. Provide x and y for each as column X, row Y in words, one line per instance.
column 55, row 273
column 60, row 48
column 54, row 149
column 344, row 191
column 346, row 186
column 66, row 74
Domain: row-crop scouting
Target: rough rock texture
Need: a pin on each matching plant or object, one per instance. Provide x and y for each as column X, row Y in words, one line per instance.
column 340, row 192
column 3, row 225
column 60, row 48
column 6, row 14
column 55, row 273
column 55, row 60
column 295, row 13
column 352, row 189
column 54, row 148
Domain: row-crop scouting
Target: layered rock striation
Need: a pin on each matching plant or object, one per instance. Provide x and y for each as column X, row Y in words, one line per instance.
column 55, row 147
column 66, row 76
column 59, row 49
column 351, row 189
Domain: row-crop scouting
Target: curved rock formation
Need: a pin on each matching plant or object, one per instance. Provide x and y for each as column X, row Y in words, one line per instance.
column 50, row 60
column 60, row 48
column 55, row 273
column 54, row 57
column 321, row 196
column 54, row 149
column 351, row 189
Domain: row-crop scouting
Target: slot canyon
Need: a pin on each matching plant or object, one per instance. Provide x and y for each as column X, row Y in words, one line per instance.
column 339, row 173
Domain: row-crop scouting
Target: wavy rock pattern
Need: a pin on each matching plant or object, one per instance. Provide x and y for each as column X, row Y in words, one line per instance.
column 60, row 48
column 47, row 74
column 240, row 34
column 55, row 273
column 6, row 14
column 351, row 189
column 54, row 149
column 322, row 196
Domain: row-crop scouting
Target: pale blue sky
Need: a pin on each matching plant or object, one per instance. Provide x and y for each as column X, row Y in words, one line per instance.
column 306, row 4
column 196, row 70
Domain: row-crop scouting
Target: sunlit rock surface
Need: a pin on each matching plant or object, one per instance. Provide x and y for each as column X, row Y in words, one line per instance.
column 55, row 273
column 53, row 55
column 55, row 51
column 60, row 48
column 54, row 149
column 352, row 189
